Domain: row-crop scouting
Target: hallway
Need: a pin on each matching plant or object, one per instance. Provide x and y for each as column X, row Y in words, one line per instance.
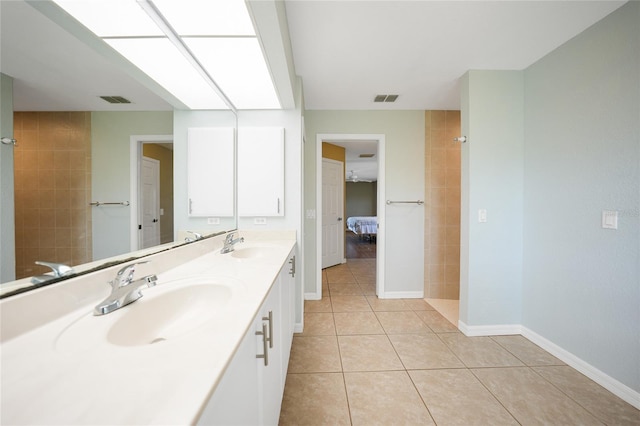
column 364, row 361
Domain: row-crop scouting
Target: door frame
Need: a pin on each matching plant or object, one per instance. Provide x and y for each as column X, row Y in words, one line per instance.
column 135, row 160
column 380, row 245
column 343, row 257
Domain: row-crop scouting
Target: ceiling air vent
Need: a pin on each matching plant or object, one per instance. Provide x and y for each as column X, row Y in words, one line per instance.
column 116, row 99
column 385, row 98
column 366, row 155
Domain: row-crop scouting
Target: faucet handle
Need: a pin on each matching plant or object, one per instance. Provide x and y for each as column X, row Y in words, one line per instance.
column 59, row 269
column 125, row 274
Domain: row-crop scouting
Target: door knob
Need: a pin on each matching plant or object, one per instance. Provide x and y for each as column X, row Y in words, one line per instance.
column 155, row 220
column 339, row 219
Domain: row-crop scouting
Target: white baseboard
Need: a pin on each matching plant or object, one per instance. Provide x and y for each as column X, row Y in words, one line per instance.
column 489, row 330
column 401, row 295
column 621, row 390
column 617, row 388
column 312, row 296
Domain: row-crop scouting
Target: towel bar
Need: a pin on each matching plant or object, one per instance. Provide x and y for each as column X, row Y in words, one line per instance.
column 419, row 202
column 100, row 203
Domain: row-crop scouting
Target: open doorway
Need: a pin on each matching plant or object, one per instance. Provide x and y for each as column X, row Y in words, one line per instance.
column 151, row 191
column 361, row 219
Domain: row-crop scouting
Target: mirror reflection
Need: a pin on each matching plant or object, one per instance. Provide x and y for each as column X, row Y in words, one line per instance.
column 94, row 181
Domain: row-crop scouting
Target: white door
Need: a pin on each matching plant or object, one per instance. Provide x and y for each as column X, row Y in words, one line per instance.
column 332, row 212
column 150, row 191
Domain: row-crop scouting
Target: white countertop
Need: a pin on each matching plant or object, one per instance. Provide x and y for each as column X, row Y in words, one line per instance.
column 66, row 371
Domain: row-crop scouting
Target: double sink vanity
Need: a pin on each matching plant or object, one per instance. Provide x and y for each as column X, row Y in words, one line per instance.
column 208, row 342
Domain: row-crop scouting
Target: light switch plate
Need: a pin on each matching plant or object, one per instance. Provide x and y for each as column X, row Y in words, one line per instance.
column 609, row 219
column 213, row 221
column 482, row 215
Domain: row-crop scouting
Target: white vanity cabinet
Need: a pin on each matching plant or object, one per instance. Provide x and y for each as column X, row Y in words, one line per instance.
column 210, row 171
column 260, row 171
column 251, row 389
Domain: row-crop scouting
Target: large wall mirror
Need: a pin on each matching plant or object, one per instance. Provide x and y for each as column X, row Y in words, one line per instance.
column 86, row 171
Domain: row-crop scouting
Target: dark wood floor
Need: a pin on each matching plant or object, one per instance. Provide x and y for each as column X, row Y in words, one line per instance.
column 360, row 247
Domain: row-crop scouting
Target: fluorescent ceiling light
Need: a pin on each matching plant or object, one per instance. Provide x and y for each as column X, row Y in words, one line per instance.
column 207, row 17
column 152, row 34
column 111, row 18
column 238, row 67
column 160, row 60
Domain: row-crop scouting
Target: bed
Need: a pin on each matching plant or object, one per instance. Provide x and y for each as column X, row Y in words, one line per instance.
column 363, row 225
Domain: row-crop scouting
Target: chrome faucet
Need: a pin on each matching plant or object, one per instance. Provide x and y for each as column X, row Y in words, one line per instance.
column 124, row 289
column 229, row 242
column 196, row 236
column 58, row 269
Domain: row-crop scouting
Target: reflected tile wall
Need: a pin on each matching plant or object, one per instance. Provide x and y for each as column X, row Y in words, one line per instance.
column 52, row 189
column 442, row 211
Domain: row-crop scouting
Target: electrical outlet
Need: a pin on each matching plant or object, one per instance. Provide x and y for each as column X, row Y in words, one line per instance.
column 213, row 221
column 259, row 220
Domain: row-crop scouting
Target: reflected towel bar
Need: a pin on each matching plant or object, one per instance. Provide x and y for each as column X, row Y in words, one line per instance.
column 100, row 203
column 419, row 202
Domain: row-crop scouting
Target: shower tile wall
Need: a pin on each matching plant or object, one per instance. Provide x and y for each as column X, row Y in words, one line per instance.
column 442, row 213
column 52, row 189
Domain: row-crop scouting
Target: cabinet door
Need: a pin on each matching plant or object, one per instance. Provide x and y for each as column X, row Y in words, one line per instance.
column 236, row 398
column 210, row 171
column 251, row 389
column 270, row 373
column 287, row 297
column 261, row 171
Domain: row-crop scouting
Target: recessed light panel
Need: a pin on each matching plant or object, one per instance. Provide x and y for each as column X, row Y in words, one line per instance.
column 207, row 17
column 219, row 33
column 238, row 67
column 160, row 60
column 111, row 18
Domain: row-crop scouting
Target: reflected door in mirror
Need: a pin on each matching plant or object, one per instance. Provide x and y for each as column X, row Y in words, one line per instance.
column 150, row 174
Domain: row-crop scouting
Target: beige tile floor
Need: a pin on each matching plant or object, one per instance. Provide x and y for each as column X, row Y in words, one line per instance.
column 366, row 361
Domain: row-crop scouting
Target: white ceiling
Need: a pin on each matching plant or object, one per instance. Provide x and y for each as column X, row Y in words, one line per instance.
column 349, row 51
column 366, row 169
column 345, row 51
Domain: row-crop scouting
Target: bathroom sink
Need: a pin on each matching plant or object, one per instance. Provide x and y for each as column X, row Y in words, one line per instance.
column 168, row 315
column 250, row 252
column 246, row 251
column 164, row 313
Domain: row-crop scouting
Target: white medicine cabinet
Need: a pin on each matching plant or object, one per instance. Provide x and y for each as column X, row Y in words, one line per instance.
column 260, row 171
column 212, row 165
column 210, row 171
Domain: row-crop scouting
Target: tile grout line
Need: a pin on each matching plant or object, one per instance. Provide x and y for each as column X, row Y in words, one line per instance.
column 440, row 335
column 595, row 416
column 495, row 396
